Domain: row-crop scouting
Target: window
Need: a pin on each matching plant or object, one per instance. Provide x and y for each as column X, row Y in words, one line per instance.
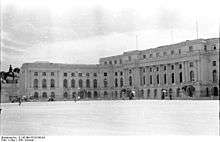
column 65, row 95
column 52, row 83
column 144, row 70
column 95, row 83
column 158, row 79
column 87, row 83
column 205, row 47
column 172, row 52
column 179, row 51
column 191, row 75
column 44, row 83
column 181, row 77
column 116, row 74
column 130, row 81
column 52, row 73
column 144, row 80
column 105, row 63
column 213, row 63
column 44, row 95
column 35, row 83
column 165, row 67
column 65, row 83
column 173, row 79
column 151, row 79
column 105, row 74
column 43, row 73
column 87, row 74
column 130, row 71
column 121, row 73
column 110, row 62
column 80, row 74
column 95, row 74
column 121, row 82
column 214, row 47
column 165, row 78
column 80, row 83
column 65, row 74
column 214, row 76
column 129, row 58
column 120, row 61
column 116, row 82
column 172, row 67
column 72, row 83
column 36, row 95
column 190, row 48
column 144, row 56
column 151, row 55
column 180, row 66
column 105, row 82
column 157, row 54
column 52, row 95
column 191, row 64
column 115, row 61
column 73, row 74
column 35, row 73
column 157, row 68
column 164, row 53
column 150, row 69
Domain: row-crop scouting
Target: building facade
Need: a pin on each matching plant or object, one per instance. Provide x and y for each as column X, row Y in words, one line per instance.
column 186, row 70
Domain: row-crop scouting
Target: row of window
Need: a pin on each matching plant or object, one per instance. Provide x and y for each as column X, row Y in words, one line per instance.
column 65, row 74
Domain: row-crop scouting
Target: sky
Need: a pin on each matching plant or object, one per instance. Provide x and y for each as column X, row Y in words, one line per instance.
column 82, row 31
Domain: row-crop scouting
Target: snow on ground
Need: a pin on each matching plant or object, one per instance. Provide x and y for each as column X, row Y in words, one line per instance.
column 136, row 117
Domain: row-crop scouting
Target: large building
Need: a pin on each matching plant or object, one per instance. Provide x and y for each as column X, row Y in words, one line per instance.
column 186, row 70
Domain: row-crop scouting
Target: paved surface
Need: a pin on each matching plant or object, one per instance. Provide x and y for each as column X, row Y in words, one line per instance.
column 136, row 117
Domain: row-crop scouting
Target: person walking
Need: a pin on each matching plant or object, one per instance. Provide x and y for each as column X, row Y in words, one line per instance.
column 19, row 101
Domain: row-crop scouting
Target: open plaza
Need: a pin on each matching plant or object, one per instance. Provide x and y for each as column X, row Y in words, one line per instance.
column 119, row 117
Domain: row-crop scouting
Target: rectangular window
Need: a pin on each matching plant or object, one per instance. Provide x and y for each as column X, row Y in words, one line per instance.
column 129, row 58
column 44, row 74
column 95, row 74
column 190, row 48
column 179, row 51
column 165, row 78
column 73, row 74
column 180, row 66
column 116, row 74
column 150, row 69
column 172, row 67
column 151, row 55
column 115, row 61
column 144, row 56
column 52, row 73
column 157, row 68
column 105, row 63
column 214, row 47
column 191, row 64
column 87, row 74
column 150, row 79
column 35, row 73
column 157, row 54
column 172, row 52
column 165, row 67
column 110, row 62
column 80, row 74
column 65, row 74
column 164, row 53
column 105, row 74
column 121, row 73
column 120, row 61
column 213, row 63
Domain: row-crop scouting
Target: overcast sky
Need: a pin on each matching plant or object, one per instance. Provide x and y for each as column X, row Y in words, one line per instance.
column 82, row 31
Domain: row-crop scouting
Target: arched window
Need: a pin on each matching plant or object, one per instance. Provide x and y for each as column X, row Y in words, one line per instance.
column 95, row 83
column 65, row 95
column 170, row 91
column 35, row 83
column 65, row 83
column 172, row 76
column 151, row 81
column 44, row 83
column 214, row 76
column 116, row 82
column 80, row 83
column 105, row 83
column 87, row 83
column 36, row 95
column 181, row 77
column 72, row 83
column 52, row 95
column 44, row 95
column 105, row 94
column 52, row 83
column 121, row 82
column 148, row 93
column 207, row 92
column 191, row 76
column 158, row 79
column 89, row 94
column 73, row 94
column 130, row 81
